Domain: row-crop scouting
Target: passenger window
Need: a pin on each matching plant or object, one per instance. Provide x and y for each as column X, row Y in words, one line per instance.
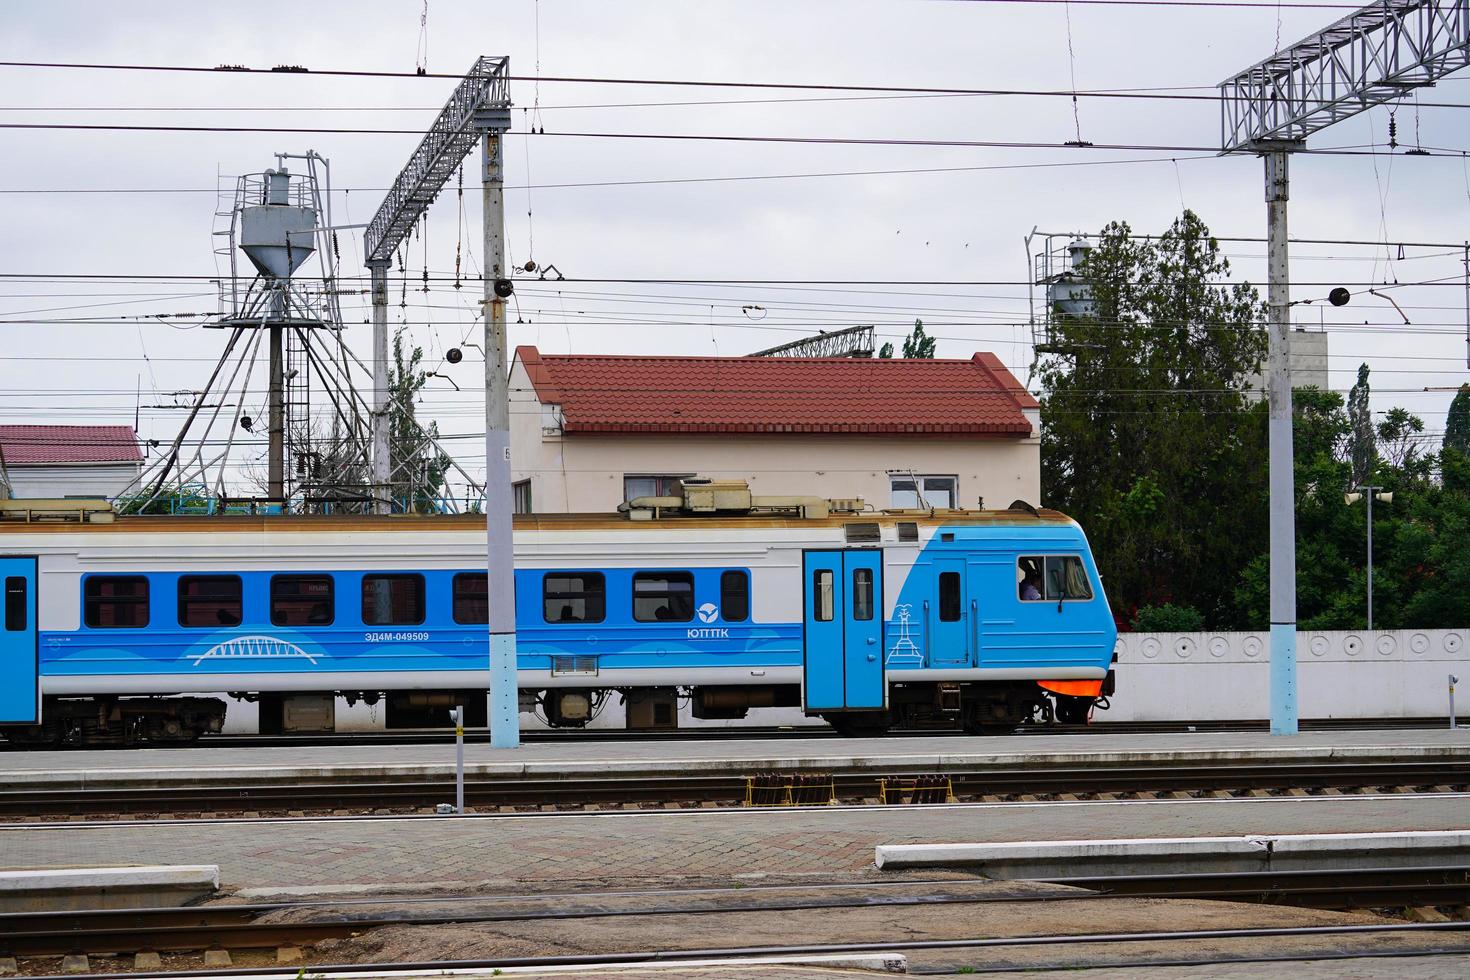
column 115, row 601
column 573, row 597
column 471, row 598
column 949, row 597
column 15, row 603
column 210, row 601
column 1066, row 578
column 663, row 597
column 823, row 601
column 302, row 600
column 392, row 600
column 735, row 596
column 862, row 593
column 1029, row 586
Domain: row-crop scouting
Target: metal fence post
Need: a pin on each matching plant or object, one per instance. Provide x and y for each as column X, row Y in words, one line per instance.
column 459, row 759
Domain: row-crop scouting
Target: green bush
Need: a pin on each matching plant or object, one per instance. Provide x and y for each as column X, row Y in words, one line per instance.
column 1168, row 618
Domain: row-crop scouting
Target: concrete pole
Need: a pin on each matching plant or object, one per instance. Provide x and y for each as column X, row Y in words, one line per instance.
column 382, row 455
column 504, row 709
column 1282, row 488
column 1370, row 491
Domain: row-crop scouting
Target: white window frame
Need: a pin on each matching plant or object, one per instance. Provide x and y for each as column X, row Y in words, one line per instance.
column 663, row 483
column 921, row 489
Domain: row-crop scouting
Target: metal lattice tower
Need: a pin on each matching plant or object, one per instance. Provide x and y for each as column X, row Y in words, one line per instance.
column 1373, row 55
column 849, row 342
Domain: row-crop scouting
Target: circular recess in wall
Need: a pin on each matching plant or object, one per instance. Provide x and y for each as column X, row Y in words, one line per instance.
column 1251, row 646
column 1419, row 643
column 1184, row 648
column 1219, row 646
column 1453, row 642
column 1150, row 647
column 1319, row 645
column 1352, row 644
column 1386, row 644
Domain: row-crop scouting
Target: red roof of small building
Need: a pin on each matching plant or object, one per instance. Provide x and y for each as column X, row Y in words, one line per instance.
column 791, row 395
column 23, row 444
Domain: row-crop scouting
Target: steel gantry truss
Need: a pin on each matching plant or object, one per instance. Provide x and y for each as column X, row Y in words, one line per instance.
column 847, row 342
column 477, row 112
column 1374, row 55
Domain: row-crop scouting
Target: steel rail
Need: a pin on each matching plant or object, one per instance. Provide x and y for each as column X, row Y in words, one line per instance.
column 239, row 926
column 418, row 792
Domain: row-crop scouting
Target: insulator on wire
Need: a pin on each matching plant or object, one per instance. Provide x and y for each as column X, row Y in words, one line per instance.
column 1393, row 132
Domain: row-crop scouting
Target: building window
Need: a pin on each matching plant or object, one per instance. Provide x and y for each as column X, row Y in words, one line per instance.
column 15, row 603
column 1052, row 578
column 862, row 593
column 301, row 600
column 911, row 492
column 392, row 600
column 822, row 597
column 735, row 596
column 663, row 597
column 116, row 601
column 573, row 597
column 637, row 485
column 210, row 601
column 949, row 597
column 471, row 599
column 520, row 493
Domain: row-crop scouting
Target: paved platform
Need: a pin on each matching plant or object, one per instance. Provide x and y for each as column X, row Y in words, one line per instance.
column 551, row 850
column 121, row 767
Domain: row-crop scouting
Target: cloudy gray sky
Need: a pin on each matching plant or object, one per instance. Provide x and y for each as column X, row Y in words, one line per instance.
column 97, row 204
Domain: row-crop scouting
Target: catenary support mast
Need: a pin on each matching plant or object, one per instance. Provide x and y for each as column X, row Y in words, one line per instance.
column 1376, row 54
column 479, row 109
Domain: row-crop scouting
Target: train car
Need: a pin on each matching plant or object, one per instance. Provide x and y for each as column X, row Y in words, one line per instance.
column 114, row 628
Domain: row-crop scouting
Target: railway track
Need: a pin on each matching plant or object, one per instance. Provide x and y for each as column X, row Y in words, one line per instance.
column 485, row 794
column 273, row 926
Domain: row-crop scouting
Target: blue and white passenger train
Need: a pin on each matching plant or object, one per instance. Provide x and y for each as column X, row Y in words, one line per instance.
column 981, row 619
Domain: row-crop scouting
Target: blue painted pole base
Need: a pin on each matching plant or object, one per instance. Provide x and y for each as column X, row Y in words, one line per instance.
column 505, row 716
column 1283, row 679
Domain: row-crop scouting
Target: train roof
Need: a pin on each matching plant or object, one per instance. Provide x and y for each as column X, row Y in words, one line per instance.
column 387, row 524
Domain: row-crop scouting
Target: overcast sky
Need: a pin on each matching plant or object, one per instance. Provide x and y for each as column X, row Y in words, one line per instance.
column 628, row 221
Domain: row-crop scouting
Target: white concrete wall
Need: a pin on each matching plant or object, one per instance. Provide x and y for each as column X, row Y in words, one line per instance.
column 72, row 480
column 584, row 473
column 1348, row 674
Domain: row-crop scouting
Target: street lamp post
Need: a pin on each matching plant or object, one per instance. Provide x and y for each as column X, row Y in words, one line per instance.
column 1351, row 498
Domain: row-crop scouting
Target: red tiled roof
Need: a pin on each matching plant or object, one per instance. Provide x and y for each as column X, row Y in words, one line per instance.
column 826, row 395
column 69, row 444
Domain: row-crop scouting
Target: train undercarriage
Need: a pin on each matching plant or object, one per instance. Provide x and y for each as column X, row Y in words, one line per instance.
column 980, row 708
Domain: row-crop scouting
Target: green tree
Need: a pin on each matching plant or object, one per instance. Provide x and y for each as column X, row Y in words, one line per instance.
column 1360, row 429
column 1457, row 423
column 418, row 467
column 916, row 344
column 1148, row 437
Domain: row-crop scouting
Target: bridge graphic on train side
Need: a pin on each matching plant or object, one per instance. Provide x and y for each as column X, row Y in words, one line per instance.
column 253, row 648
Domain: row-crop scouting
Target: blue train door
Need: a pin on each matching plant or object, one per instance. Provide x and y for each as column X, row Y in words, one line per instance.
column 843, row 627
column 20, row 699
column 951, row 622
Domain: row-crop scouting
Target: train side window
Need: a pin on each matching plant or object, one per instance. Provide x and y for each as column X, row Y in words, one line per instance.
column 115, row 601
column 949, row 597
column 663, row 597
column 471, row 598
column 824, row 601
column 735, row 596
column 1066, row 578
column 1029, row 585
column 210, row 601
column 862, row 593
column 392, row 600
column 573, row 597
column 302, row 600
column 15, row 603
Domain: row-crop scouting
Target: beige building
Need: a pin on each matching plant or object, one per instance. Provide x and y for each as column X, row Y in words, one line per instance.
column 590, row 431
